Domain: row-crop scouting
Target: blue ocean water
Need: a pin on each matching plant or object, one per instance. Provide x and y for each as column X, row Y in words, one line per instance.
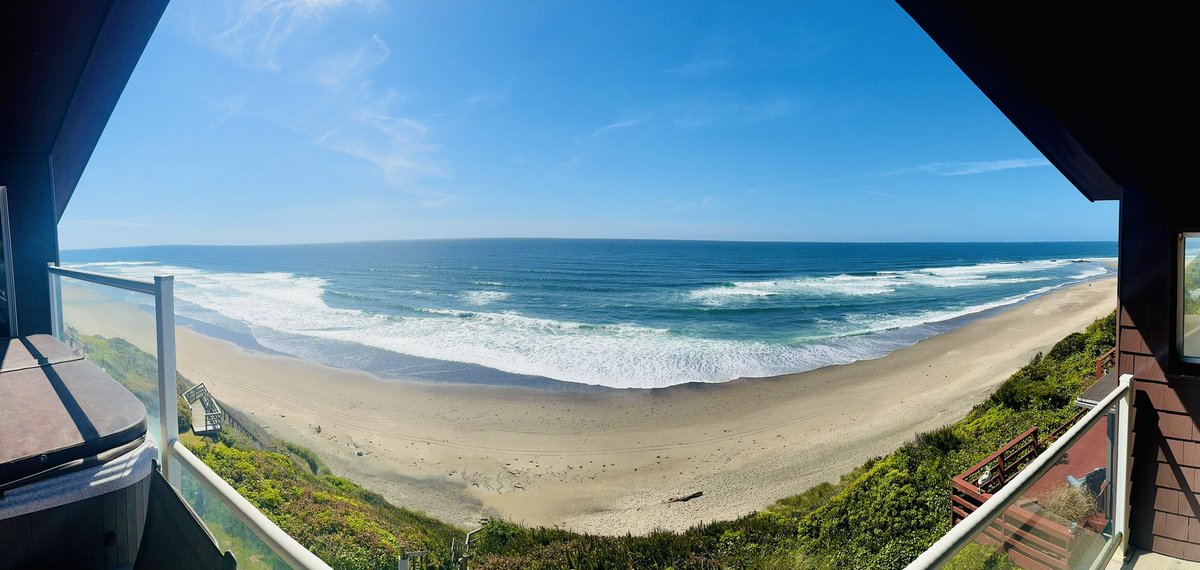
column 615, row 313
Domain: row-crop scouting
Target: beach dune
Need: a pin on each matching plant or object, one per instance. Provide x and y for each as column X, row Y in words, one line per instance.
column 607, row 462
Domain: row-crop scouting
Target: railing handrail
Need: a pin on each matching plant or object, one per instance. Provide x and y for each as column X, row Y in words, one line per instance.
column 174, row 453
column 280, row 542
column 999, row 453
column 967, row 529
column 125, row 283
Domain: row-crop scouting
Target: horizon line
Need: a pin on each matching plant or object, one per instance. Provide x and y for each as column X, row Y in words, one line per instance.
column 528, row 238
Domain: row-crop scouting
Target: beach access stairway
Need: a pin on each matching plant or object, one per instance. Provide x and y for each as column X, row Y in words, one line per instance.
column 207, row 415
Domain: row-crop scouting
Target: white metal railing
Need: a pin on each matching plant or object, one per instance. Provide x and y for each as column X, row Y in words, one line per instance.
column 280, row 542
column 969, row 528
column 174, row 454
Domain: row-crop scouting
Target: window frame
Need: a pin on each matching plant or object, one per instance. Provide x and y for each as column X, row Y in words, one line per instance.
column 1178, row 272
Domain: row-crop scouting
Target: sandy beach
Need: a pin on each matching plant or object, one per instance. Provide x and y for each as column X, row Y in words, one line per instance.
column 607, row 462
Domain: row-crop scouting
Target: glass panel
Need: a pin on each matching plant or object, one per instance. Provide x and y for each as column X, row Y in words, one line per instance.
column 5, row 261
column 1191, row 297
column 115, row 329
column 4, row 323
column 231, row 533
column 1063, row 521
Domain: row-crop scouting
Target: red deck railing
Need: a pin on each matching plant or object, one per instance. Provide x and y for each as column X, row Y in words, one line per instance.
column 1106, row 362
column 1028, row 539
column 990, row 474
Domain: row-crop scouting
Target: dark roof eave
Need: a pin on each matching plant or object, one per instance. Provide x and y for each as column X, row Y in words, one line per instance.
column 118, row 47
column 965, row 40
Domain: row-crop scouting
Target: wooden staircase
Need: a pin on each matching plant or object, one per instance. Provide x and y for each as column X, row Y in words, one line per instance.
column 204, row 406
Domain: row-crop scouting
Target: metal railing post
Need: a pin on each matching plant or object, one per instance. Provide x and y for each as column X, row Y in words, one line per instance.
column 56, row 308
column 168, row 414
column 1121, row 481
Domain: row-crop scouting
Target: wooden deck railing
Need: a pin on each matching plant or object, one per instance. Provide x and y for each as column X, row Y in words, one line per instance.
column 1106, row 362
column 996, row 469
column 1028, row 539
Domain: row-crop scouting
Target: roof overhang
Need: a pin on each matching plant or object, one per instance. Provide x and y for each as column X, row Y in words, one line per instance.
column 1094, row 86
column 63, row 66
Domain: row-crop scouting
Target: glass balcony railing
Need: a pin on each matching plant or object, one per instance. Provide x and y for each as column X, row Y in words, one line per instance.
column 1065, row 508
column 89, row 310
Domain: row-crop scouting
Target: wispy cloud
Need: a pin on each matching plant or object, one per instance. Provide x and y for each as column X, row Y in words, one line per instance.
column 973, row 167
column 336, row 70
column 253, row 33
column 726, row 110
column 708, row 109
column 118, row 223
column 614, row 126
column 331, row 97
column 573, row 161
column 702, row 203
column 437, row 199
column 489, row 98
column 700, row 67
column 897, row 196
column 394, row 144
column 228, row 107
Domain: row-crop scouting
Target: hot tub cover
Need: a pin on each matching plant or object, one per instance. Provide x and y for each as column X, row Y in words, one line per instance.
column 60, row 412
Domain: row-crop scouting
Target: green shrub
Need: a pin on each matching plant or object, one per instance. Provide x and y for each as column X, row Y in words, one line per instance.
column 308, row 456
column 898, row 508
column 185, row 414
column 979, row 557
column 933, row 444
column 1073, row 343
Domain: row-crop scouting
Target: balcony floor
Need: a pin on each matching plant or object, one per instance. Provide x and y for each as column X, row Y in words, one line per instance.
column 1150, row 561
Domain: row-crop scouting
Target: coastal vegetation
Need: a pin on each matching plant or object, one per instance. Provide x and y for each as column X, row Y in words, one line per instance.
column 881, row 515
column 344, row 524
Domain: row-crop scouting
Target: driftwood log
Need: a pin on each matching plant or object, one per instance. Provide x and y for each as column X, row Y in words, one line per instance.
column 686, row 498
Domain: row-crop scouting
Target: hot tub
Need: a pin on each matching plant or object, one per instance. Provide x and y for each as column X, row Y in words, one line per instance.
column 75, row 460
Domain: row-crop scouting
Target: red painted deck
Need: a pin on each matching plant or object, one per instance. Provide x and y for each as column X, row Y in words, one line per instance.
column 1090, row 452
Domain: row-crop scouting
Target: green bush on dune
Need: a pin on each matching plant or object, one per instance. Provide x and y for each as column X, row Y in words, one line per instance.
column 135, row 369
column 344, row 524
column 880, row 515
column 898, row 508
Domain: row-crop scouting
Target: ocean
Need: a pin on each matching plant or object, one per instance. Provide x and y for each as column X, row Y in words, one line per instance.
column 580, row 314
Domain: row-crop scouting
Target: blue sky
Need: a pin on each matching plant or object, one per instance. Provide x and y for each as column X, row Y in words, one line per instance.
column 296, row 121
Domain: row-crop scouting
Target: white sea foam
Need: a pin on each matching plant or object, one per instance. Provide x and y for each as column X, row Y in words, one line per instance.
column 278, row 307
column 835, row 285
column 1089, row 273
column 288, row 313
column 874, row 323
column 421, row 292
column 884, row 282
column 111, row 264
column 480, row 298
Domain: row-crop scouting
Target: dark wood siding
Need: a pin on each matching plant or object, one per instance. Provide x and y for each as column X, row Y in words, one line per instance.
column 74, row 535
column 1166, row 465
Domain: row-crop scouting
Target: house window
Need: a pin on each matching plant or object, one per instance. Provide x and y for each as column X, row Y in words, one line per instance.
column 1189, row 297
